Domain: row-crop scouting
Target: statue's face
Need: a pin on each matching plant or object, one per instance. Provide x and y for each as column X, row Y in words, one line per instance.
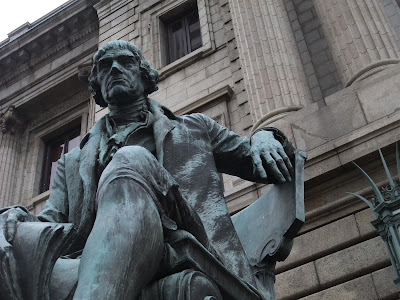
column 119, row 77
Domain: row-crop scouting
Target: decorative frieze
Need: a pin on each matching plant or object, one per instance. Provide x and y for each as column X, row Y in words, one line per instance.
column 60, row 109
column 360, row 37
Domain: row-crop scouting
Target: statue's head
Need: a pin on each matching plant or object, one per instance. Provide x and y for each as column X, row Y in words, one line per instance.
column 121, row 74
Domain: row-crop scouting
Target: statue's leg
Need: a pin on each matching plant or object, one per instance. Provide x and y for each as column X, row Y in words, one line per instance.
column 125, row 245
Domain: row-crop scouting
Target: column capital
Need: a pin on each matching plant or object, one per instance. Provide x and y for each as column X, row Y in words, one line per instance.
column 10, row 121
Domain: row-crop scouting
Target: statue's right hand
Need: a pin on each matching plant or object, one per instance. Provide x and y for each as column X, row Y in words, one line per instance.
column 9, row 221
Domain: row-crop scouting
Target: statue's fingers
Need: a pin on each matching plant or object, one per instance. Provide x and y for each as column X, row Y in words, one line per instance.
column 287, row 161
column 273, row 167
column 11, row 225
column 281, row 165
column 258, row 166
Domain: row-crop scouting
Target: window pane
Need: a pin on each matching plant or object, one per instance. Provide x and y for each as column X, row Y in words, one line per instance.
column 194, row 31
column 183, row 35
column 54, row 150
column 55, row 153
column 177, row 40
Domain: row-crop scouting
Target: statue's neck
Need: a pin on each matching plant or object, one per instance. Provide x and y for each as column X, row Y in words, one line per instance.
column 127, row 113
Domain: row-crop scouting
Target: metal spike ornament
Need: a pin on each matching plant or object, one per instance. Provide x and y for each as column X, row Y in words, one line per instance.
column 386, row 206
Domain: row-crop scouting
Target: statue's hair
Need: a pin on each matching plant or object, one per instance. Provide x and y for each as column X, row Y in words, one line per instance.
column 149, row 74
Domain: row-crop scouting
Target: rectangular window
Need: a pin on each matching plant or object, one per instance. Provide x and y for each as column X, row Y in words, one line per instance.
column 55, row 148
column 183, row 35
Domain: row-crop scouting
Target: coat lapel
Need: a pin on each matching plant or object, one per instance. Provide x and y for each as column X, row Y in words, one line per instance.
column 87, row 170
column 161, row 126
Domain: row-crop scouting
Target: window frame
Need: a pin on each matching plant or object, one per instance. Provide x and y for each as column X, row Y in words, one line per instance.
column 44, row 129
column 187, row 41
column 158, row 16
column 65, row 137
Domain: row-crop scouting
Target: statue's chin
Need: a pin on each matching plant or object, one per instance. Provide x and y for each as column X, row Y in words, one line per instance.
column 119, row 96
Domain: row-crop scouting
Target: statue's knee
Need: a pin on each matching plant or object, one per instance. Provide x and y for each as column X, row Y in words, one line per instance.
column 133, row 156
column 135, row 159
column 136, row 152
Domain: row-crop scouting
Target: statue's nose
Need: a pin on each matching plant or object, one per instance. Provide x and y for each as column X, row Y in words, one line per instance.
column 116, row 67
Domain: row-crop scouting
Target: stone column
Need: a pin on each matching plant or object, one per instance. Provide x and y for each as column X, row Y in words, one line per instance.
column 83, row 75
column 11, row 129
column 360, row 37
column 273, row 73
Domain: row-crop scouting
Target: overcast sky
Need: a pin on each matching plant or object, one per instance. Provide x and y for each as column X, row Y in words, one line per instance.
column 14, row 13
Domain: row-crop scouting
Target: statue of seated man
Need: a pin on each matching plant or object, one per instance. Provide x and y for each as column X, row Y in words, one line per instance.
column 141, row 173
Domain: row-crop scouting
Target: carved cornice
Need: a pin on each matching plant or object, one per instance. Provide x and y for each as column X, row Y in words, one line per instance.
column 29, row 32
column 10, row 121
column 47, row 55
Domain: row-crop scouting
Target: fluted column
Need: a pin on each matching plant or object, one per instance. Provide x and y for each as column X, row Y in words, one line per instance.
column 11, row 128
column 360, row 37
column 83, row 75
column 274, row 77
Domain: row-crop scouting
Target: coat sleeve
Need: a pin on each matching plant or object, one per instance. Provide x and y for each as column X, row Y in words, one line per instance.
column 56, row 207
column 232, row 153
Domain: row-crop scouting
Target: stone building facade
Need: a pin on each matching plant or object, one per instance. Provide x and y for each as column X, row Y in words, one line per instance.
column 325, row 72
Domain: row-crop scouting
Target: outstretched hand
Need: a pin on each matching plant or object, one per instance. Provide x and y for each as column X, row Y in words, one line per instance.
column 269, row 157
column 9, row 220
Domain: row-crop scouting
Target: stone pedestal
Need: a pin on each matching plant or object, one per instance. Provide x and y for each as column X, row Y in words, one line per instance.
column 360, row 37
column 11, row 129
column 275, row 80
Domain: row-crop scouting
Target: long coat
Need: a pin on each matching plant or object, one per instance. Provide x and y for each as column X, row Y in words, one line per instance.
column 193, row 149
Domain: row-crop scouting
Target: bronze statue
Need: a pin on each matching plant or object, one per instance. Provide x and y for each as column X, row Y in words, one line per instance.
column 143, row 173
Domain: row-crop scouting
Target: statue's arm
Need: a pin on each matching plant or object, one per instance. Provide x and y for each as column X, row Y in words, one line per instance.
column 56, row 208
column 265, row 158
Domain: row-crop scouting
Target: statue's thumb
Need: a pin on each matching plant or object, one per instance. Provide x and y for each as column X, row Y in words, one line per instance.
column 11, row 225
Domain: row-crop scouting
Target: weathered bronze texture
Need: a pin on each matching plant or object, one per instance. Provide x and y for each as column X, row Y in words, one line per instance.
column 145, row 198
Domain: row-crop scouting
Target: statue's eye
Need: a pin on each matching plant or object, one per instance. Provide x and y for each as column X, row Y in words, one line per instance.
column 127, row 60
column 105, row 64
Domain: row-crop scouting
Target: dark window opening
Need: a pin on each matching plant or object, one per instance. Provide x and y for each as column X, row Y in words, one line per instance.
column 55, row 148
column 183, row 35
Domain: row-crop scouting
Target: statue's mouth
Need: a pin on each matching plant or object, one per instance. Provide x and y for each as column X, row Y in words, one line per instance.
column 117, row 81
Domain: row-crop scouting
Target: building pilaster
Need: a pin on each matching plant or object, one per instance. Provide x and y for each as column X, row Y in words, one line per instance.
column 360, row 37
column 274, row 77
column 11, row 126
